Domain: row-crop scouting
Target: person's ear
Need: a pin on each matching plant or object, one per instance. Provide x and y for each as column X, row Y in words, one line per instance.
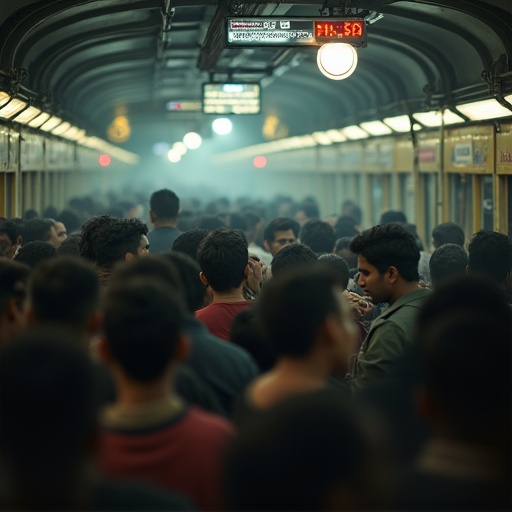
column 203, row 278
column 393, row 274
column 182, row 349
column 129, row 256
column 266, row 245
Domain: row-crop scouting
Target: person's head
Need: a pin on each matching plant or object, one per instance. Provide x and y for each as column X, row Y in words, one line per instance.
column 30, row 214
column 61, row 230
column 47, row 413
column 393, row 217
column 70, row 219
column 106, row 240
column 318, row 236
column 449, row 260
column 13, row 291
column 279, row 233
column 70, row 246
column 388, row 257
column 307, row 210
column 342, row 248
column 302, row 311
column 211, row 222
column 9, row 238
column 490, row 255
column 464, row 330
column 164, row 204
column 223, row 257
column 339, row 265
column 143, row 320
column 345, row 226
column 447, row 233
column 40, row 229
column 254, row 223
column 33, row 253
column 307, row 454
column 188, row 242
column 291, row 256
column 65, row 291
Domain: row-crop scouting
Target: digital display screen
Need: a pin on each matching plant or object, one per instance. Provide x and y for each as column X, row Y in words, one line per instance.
column 231, row 98
column 347, row 29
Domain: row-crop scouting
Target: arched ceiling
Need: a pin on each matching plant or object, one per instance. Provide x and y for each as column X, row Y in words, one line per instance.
column 88, row 58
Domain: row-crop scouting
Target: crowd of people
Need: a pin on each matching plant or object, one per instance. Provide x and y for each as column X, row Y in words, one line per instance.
column 157, row 354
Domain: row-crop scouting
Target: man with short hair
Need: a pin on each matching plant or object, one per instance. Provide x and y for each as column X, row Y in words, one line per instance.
column 33, row 253
column 279, row 233
column 318, row 236
column 106, row 240
column 447, row 261
column 294, row 255
column 149, row 432
column 388, row 272
column 447, row 233
column 490, row 255
column 225, row 266
column 39, row 229
column 165, row 206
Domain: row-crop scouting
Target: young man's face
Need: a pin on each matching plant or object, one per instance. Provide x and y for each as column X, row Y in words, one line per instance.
column 53, row 238
column 61, row 231
column 143, row 248
column 374, row 284
column 281, row 239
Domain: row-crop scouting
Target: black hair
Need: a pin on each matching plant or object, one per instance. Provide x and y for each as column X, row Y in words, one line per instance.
column 448, row 233
column 31, row 213
column 293, row 306
column 165, row 204
column 295, row 456
column 211, row 222
column 105, row 240
column 9, row 228
column 64, row 290
column 35, row 252
column 247, row 333
column 318, row 236
column 280, row 224
column 193, row 287
column 143, row 323
column 339, row 265
column 490, row 254
column 223, row 257
column 393, row 217
column 13, row 282
column 310, row 209
column 70, row 219
column 50, row 212
column 453, row 328
column 47, row 412
column 294, row 255
column 345, row 227
column 447, row 261
column 389, row 245
column 36, row 229
column 188, row 242
column 70, row 246
column 237, row 221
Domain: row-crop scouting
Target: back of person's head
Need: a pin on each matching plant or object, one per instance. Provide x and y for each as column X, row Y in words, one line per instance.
column 10, row 230
column 280, row 224
column 339, row 265
column 70, row 246
column 223, row 257
column 106, row 240
column 389, row 245
column 236, row 221
column 193, row 287
column 188, row 242
column 211, row 222
column 393, row 217
column 47, row 413
column 35, row 252
column 291, row 256
column 307, row 454
column 13, row 283
column 294, row 305
column 64, row 290
column 31, row 213
column 449, row 260
column 70, row 219
column 345, row 226
column 165, row 204
column 247, row 333
column 310, row 209
column 464, row 331
column 36, row 229
column 490, row 255
column 448, row 233
column 342, row 249
column 143, row 321
column 318, row 236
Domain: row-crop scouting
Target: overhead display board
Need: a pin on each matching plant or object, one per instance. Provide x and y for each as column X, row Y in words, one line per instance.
column 270, row 31
column 231, row 98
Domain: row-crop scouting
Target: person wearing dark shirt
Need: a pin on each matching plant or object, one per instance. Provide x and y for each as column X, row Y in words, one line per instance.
column 165, row 206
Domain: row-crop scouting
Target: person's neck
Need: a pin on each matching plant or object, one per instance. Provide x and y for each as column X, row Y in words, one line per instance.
column 164, row 223
column 133, row 394
column 403, row 288
column 234, row 295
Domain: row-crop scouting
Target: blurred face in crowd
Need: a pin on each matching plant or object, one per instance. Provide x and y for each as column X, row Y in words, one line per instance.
column 54, row 238
column 61, row 231
column 281, row 239
column 374, row 284
column 7, row 248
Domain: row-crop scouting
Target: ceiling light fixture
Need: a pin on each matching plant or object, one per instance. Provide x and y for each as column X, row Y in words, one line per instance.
column 481, row 110
column 434, row 118
column 376, row 128
column 337, row 61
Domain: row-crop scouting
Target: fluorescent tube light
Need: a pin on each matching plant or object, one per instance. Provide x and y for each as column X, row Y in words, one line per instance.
column 354, row 132
column 12, row 108
column 39, row 120
column 486, row 109
column 50, row 124
column 322, row 138
column 376, row 128
column 433, row 118
column 399, row 124
column 61, row 128
column 336, row 135
column 27, row 115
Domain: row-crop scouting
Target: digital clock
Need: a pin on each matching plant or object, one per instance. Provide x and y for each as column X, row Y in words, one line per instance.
column 340, row 30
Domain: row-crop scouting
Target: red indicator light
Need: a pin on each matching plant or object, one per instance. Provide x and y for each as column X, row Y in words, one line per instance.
column 104, row 160
column 339, row 29
column 259, row 162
